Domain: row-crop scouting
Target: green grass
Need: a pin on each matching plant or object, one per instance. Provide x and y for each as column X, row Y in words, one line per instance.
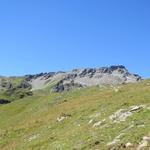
column 30, row 123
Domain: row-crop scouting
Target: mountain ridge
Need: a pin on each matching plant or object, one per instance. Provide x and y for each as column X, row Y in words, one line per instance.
column 85, row 77
column 20, row 87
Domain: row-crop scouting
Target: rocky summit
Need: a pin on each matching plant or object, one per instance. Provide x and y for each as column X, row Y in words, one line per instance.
column 113, row 75
column 77, row 78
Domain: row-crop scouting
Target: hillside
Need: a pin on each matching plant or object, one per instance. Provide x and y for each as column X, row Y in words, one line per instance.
column 96, row 117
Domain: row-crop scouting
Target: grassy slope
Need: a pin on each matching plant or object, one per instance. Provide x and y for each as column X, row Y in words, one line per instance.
column 30, row 123
column 15, row 92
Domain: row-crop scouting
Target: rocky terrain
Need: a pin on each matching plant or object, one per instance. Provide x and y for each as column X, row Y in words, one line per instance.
column 113, row 75
column 77, row 78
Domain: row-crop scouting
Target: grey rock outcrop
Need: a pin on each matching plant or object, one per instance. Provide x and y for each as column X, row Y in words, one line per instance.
column 64, row 86
column 43, row 75
column 113, row 75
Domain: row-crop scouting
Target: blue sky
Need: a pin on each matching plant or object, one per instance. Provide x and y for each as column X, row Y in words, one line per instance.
column 51, row 35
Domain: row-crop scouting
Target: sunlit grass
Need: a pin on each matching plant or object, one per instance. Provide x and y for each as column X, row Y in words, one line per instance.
column 31, row 123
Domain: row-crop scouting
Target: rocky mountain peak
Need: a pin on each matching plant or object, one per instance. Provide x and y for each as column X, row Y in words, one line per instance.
column 109, row 70
column 84, row 77
column 113, row 75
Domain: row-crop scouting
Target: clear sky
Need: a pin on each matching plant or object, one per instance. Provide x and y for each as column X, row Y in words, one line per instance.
column 51, row 35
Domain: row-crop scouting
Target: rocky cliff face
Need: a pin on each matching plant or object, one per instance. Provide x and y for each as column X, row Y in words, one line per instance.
column 77, row 78
column 113, row 75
